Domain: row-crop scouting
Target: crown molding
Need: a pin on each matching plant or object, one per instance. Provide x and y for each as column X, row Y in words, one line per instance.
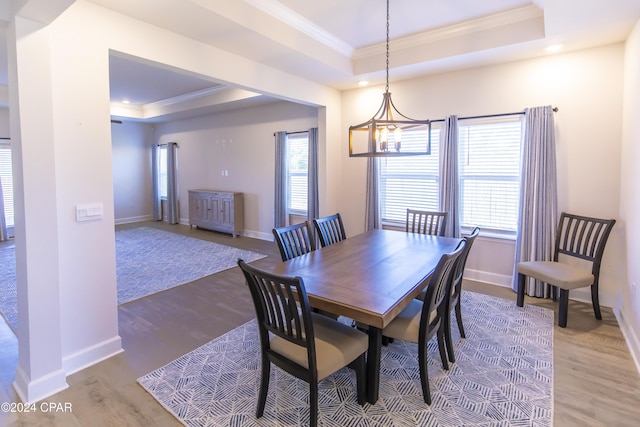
column 163, row 103
column 303, row 25
column 467, row 28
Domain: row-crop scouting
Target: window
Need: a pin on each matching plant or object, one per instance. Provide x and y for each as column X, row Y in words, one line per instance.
column 489, row 170
column 409, row 182
column 6, row 175
column 489, row 173
column 162, row 171
column 297, row 172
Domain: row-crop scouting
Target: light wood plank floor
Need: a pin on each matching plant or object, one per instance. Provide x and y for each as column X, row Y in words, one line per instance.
column 595, row 380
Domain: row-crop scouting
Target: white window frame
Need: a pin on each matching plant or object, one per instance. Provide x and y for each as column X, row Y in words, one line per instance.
column 297, row 177
column 6, row 171
column 421, row 173
column 398, row 202
column 162, row 171
column 498, row 211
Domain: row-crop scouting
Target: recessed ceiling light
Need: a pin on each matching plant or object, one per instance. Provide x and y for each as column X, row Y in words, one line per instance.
column 554, row 48
column 126, row 101
column 363, row 83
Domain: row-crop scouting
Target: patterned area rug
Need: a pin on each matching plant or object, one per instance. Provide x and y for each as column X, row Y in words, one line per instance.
column 503, row 376
column 148, row 260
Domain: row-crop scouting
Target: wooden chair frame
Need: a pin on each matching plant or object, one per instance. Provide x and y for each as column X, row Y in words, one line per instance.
column 294, row 240
column 330, row 229
column 437, row 293
column 282, row 309
column 455, row 296
column 581, row 237
column 426, row 222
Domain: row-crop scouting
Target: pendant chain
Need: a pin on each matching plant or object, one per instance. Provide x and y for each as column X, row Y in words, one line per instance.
column 387, row 86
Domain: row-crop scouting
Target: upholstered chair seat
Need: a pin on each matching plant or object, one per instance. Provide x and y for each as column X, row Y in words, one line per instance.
column 564, row 276
column 337, row 345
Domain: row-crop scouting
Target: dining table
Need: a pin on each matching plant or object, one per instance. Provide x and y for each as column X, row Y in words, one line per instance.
column 370, row 278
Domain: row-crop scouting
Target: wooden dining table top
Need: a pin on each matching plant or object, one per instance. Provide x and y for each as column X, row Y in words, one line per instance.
column 369, row 277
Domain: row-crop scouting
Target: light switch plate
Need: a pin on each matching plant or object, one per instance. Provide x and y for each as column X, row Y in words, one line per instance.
column 89, row 212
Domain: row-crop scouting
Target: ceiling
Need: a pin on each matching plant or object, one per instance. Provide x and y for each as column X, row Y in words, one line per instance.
column 340, row 42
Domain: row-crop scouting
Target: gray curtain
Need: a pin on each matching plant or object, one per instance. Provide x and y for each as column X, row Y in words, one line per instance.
column 3, row 222
column 280, row 214
column 313, row 210
column 538, row 210
column 449, row 183
column 173, row 214
column 157, row 206
column 372, row 213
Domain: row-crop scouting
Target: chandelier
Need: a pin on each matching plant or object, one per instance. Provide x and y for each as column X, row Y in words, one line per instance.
column 390, row 133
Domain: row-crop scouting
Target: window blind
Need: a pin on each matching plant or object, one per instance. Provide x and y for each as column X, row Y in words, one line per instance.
column 297, row 172
column 409, row 182
column 6, row 174
column 489, row 171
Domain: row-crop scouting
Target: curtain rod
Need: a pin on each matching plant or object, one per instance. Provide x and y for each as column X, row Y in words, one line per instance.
column 517, row 113
column 293, row 133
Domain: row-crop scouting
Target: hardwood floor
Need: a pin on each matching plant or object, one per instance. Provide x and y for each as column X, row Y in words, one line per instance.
column 595, row 380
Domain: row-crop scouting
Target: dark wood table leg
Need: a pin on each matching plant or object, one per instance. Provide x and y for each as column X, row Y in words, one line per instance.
column 373, row 364
column 520, row 301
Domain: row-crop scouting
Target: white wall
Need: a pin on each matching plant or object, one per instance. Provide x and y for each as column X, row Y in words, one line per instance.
column 59, row 122
column 241, row 143
column 131, row 160
column 629, row 295
column 586, row 86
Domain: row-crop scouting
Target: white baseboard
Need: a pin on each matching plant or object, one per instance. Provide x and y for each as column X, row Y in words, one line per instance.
column 258, row 235
column 133, row 219
column 486, row 277
column 91, row 355
column 32, row 391
column 633, row 342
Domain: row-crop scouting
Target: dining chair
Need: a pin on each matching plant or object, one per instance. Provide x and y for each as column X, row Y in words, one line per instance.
column 421, row 320
column 426, row 222
column 294, row 240
column 454, row 302
column 577, row 238
column 330, row 229
column 305, row 344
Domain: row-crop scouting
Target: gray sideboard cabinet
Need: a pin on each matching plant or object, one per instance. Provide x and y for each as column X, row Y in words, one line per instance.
column 217, row 210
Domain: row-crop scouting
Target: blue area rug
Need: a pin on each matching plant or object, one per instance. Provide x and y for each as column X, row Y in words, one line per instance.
column 503, row 376
column 148, row 260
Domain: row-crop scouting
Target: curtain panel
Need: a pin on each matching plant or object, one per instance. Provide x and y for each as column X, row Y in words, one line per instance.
column 313, row 203
column 538, row 208
column 372, row 215
column 280, row 196
column 173, row 212
column 449, row 187
column 3, row 222
column 157, row 203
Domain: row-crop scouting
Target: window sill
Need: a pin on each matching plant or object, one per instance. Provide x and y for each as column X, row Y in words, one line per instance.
column 464, row 231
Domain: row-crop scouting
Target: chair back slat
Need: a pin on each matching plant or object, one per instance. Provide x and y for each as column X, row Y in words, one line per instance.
column 426, row 222
column 439, row 286
column 582, row 237
column 330, row 229
column 462, row 259
column 294, row 240
column 282, row 306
